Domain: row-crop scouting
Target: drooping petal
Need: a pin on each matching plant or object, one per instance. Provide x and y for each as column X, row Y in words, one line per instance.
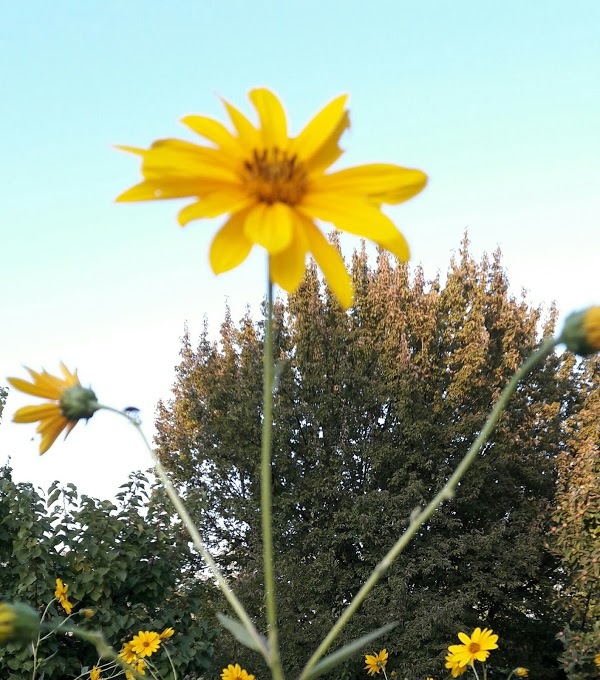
column 230, row 247
column 249, row 136
column 216, row 132
column 178, row 158
column 50, row 429
column 381, row 182
column 272, row 118
column 317, row 144
column 358, row 217
column 287, row 267
column 270, row 226
column 43, row 391
column 331, row 264
column 214, row 204
column 30, row 414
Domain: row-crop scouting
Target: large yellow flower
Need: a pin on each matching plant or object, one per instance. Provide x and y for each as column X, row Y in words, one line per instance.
column 235, row 673
column 69, row 403
column 474, row 648
column 61, row 595
column 375, row 663
column 7, row 621
column 127, row 653
column 274, row 186
column 145, row 643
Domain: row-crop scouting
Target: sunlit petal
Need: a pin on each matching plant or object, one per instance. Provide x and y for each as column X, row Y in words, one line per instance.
column 214, row 204
column 270, row 226
column 230, row 247
column 287, row 267
column 272, row 118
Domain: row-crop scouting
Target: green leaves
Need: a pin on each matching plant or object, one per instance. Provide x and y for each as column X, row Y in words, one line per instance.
column 242, row 635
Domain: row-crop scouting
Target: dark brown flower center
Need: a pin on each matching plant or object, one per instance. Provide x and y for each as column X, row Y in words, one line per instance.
column 272, row 176
column 474, row 647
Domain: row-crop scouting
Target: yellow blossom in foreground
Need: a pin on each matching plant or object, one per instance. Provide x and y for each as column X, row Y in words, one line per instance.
column 145, row 643
column 167, row 633
column 7, row 621
column 61, row 595
column 95, row 673
column 453, row 664
column 581, row 333
column 274, row 186
column 88, row 612
column 69, row 402
column 235, row 673
column 521, row 672
column 375, row 663
column 597, row 659
column 474, row 648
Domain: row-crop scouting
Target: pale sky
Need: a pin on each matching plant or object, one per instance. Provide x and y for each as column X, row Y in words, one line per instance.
column 498, row 102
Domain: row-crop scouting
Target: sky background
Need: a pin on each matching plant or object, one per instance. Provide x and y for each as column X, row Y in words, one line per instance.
column 498, row 102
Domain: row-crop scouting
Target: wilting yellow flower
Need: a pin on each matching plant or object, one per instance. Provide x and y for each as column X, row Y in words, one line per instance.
column 69, row 403
column 7, row 621
column 581, row 333
column 167, row 633
column 61, row 595
column 453, row 664
column 274, row 187
column 95, row 673
column 145, row 643
column 521, row 672
column 235, row 673
column 474, row 648
column 127, row 653
column 375, row 663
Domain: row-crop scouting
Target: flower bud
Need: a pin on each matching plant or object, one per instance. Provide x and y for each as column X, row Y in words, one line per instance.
column 581, row 333
column 78, row 402
column 521, row 672
column 18, row 621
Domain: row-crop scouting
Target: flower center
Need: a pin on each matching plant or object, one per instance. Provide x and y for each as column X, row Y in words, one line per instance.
column 272, row 176
column 474, row 647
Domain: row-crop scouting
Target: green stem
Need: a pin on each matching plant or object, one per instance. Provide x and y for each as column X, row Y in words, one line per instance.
column 474, row 670
column 419, row 517
column 266, row 501
column 179, row 506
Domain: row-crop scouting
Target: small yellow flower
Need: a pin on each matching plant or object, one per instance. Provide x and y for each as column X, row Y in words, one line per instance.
column 375, row 663
column 453, row 664
column 127, row 653
column 274, row 186
column 140, row 667
column 521, row 672
column 597, row 659
column 167, row 633
column 69, row 402
column 581, row 332
column 7, row 621
column 145, row 643
column 95, row 673
column 474, row 648
column 88, row 612
column 235, row 673
column 61, row 595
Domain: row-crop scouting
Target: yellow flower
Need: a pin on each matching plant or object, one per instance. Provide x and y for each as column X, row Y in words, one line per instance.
column 453, row 664
column 69, row 402
column 274, row 186
column 235, row 673
column 18, row 620
column 375, row 663
column 167, row 633
column 145, row 643
column 140, row 667
column 581, row 333
column 95, row 673
column 597, row 659
column 127, row 653
column 61, row 595
column 8, row 617
column 521, row 672
column 88, row 612
column 474, row 648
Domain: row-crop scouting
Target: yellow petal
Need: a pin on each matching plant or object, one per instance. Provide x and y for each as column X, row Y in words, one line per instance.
column 230, row 247
column 358, row 217
column 317, row 144
column 249, row 136
column 384, row 183
column 31, row 414
column 272, row 118
column 270, row 226
column 159, row 190
column 215, row 132
column 331, row 263
column 214, row 204
column 50, row 432
column 44, row 391
column 287, row 267
column 177, row 158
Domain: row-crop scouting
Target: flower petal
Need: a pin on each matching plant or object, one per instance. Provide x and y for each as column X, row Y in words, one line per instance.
column 215, row 132
column 249, row 136
column 332, row 265
column 317, row 144
column 287, row 267
column 31, row 414
column 230, row 247
column 358, row 217
column 272, row 118
column 159, row 189
column 50, row 429
column 44, row 391
column 270, row 226
column 382, row 182
column 214, row 204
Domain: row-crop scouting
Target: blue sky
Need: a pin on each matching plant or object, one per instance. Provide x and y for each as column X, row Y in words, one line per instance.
column 498, row 102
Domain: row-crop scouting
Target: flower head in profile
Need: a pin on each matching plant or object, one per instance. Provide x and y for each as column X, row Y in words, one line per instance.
column 95, row 673
column 18, row 620
column 453, row 665
column 8, row 617
column 235, row 673
column 474, row 648
column 145, row 643
column 521, row 672
column 581, row 333
column 375, row 663
column 68, row 402
column 597, row 659
column 166, row 634
column 274, row 186
column 61, row 595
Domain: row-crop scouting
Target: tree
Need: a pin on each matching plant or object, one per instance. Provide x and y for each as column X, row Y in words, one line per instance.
column 127, row 561
column 373, row 411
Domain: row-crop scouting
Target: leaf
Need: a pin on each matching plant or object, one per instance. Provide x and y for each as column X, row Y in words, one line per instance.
column 242, row 635
column 333, row 660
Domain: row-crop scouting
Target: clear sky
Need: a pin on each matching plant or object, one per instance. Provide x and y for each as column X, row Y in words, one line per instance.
column 498, row 102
